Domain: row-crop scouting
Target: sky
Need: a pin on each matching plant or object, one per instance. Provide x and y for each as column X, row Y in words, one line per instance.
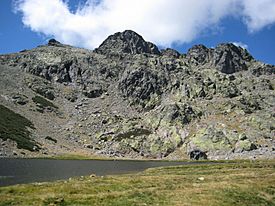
column 178, row 24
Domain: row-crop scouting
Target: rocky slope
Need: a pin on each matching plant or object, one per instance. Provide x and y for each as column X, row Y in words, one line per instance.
column 128, row 99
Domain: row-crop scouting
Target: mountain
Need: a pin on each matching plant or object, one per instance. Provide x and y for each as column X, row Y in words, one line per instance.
column 128, row 99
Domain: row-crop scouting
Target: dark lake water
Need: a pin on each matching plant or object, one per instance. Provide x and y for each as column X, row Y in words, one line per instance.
column 17, row 171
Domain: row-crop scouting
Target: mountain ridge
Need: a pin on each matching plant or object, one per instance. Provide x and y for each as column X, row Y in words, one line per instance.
column 128, row 99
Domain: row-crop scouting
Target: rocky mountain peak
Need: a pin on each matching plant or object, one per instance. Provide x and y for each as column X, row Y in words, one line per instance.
column 226, row 57
column 234, row 50
column 198, row 53
column 229, row 58
column 127, row 42
column 216, row 102
column 170, row 53
column 53, row 42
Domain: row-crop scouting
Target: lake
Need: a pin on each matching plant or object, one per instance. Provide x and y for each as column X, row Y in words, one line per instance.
column 17, row 171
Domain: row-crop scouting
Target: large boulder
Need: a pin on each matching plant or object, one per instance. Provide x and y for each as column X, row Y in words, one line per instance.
column 93, row 91
column 197, row 155
column 244, row 145
column 178, row 113
column 213, row 139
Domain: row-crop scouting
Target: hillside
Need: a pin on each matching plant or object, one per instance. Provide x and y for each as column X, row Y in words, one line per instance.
column 129, row 99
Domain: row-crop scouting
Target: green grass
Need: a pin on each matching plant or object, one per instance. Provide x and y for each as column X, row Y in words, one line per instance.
column 13, row 126
column 43, row 103
column 242, row 183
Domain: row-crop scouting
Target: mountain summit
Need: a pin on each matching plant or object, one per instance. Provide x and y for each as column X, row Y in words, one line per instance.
column 128, row 99
column 127, row 42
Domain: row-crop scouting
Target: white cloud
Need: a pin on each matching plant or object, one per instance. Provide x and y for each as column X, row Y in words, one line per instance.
column 163, row 22
column 241, row 44
column 258, row 13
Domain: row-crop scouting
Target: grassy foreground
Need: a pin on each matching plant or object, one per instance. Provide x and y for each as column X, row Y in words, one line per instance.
column 231, row 183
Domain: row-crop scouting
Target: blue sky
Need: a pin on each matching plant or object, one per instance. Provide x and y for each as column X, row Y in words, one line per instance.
column 260, row 44
column 221, row 25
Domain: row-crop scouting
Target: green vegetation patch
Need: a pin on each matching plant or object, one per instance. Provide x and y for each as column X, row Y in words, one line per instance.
column 42, row 103
column 13, row 126
column 234, row 196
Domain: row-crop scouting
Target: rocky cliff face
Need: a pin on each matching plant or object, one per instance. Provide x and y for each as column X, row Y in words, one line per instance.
column 128, row 99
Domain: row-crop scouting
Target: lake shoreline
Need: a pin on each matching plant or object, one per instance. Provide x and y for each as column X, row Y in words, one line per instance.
column 245, row 183
column 22, row 170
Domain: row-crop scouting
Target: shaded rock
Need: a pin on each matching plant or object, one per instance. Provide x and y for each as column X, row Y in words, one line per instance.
column 244, row 145
column 41, row 87
column 250, row 103
column 259, row 69
column 170, row 53
column 226, row 58
column 51, row 139
column 198, row 54
column 140, row 84
column 181, row 113
column 228, row 89
column 132, row 133
column 229, row 58
column 70, row 93
column 93, row 91
column 19, row 99
column 197, row 155
column 58, row 66
column 194, row 88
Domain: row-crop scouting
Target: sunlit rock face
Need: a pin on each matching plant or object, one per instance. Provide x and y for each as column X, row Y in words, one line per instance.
column 128, row 99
